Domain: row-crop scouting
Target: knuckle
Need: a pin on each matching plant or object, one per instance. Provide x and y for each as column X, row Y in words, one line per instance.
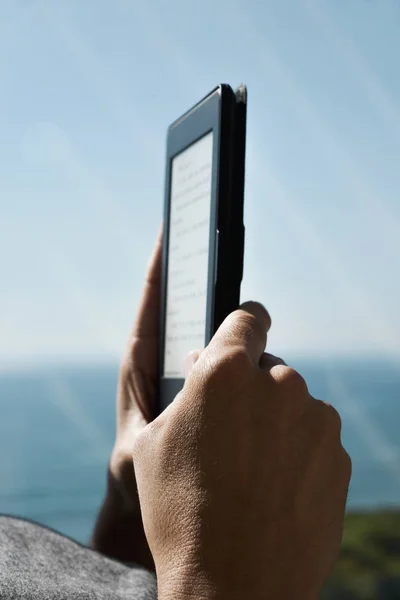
column 327, row 419
column 292, row 378
column 233, row 361
column 142, row 441
column 226, row 368
column 333, row 418
column 347, row 463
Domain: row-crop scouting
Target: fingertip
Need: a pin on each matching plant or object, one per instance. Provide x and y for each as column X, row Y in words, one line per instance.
column 153, row 276
column 160, row 234
column 247, row 327
column 259, row 311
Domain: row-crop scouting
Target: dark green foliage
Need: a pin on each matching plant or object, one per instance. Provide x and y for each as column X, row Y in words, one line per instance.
column 369, row 564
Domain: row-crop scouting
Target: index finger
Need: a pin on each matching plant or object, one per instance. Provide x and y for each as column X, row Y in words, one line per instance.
column 147, row 320
column 245, row 328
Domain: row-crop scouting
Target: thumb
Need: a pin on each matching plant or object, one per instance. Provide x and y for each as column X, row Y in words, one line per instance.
column 190, row 361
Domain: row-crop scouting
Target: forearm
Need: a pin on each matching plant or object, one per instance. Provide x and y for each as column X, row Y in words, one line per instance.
column 118, row 532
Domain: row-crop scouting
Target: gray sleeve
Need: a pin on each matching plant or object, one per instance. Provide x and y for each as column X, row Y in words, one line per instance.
column 37, row 563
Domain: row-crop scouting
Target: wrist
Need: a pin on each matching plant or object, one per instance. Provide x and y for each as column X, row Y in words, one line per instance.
column 121, row 490
column 117, row 497
column 179, row 592
column 186, row 583
column 118, row 532
column 190, row 584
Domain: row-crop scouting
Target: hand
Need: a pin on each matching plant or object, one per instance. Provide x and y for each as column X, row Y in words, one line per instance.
column 243, row 478
column 119, row 529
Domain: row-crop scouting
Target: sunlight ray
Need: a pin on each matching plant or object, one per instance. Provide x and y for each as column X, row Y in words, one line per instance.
column 383, row 451
column 384, row 335
column 56, row 146
column 179, row 60
column 101, row 77
column 344, row 46
column 61, row 396
column 362, row 194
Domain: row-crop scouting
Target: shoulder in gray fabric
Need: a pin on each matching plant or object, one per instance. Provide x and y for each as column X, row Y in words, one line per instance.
column 39, row 564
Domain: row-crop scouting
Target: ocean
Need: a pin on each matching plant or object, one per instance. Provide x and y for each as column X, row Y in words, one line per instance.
column 57, row 428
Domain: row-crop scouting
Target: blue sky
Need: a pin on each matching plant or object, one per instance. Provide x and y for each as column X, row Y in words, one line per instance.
column 87, row 90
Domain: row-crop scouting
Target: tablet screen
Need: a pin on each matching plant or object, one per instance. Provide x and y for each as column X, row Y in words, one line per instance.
column 188, row 250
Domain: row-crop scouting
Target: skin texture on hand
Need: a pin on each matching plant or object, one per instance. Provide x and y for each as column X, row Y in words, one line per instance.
column 243, row 479
column 119, row 530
